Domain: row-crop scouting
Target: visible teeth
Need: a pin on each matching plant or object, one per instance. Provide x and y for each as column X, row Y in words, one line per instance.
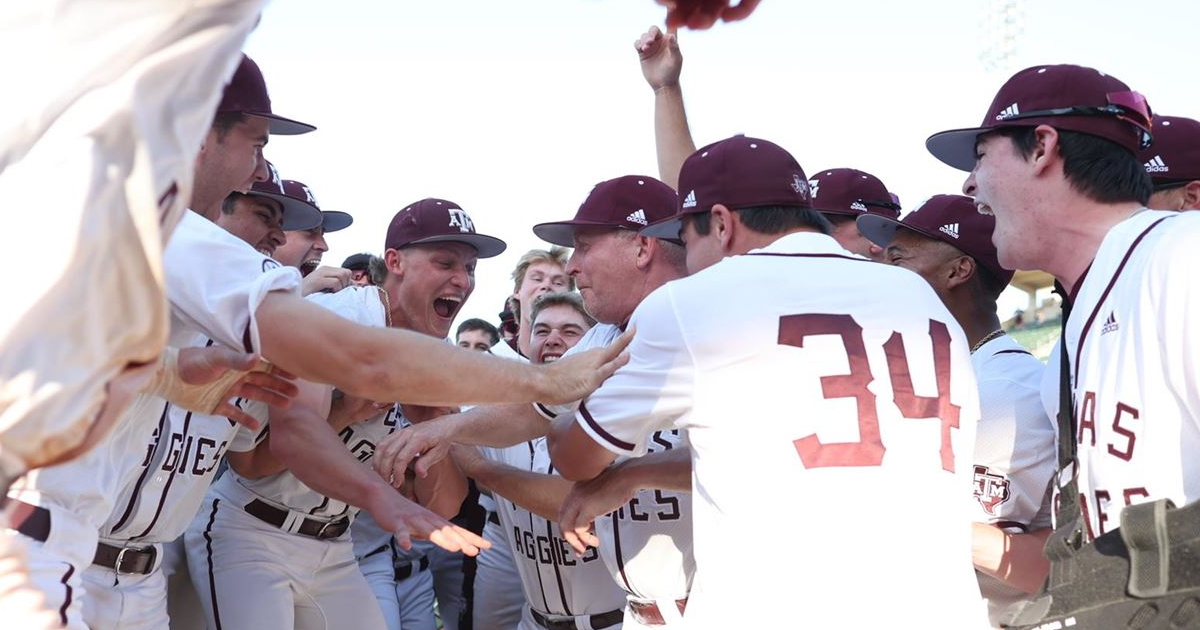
column 450, row 298
column 983, row 208
column 550, row 358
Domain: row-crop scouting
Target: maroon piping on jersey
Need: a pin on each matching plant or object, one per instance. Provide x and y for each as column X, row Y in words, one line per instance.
column 212, row 579
column 616, row 525
column 854, row 258
column 137, row 488
column 62, row 611
column 608, row 437
column 1108, row 289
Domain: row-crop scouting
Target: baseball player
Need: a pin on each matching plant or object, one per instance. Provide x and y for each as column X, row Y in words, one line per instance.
column 63, row 507
column 477, row 334
column 305, row 248
column 646, row 544
column 1126, row 271
column 563, row 591
column 126, row 583
column 359, row 266
column 949, row 243
column 840, row 194
column 1173, row 162
column 786, row 397
column 290, row 528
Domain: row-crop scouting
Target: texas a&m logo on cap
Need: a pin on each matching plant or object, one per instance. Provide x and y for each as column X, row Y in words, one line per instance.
column 990, row 489
column 800, row 185
column 460, row 220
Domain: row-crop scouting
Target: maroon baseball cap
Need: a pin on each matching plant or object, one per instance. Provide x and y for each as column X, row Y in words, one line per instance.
column 851, row 192
column 247, row 94
column 435, row 221
column 1175, row 155
column 626, row 203
column 1071, row 98
column 737, row 172
column 952, row 219
column 300, row 211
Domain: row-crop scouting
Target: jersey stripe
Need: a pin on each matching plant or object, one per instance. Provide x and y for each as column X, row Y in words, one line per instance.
column 783, row 255
column 1013, row 351
column 62, row 611
column 179, row 467
column 1108, row 289
column 562, row 591
column 610, row 438
column 212, row 579
column 616, row 528
column 137, row 487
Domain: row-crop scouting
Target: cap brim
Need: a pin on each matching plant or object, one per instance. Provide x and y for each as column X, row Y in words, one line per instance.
column 667, row 229
column 560, row 233
column 486, row 246
column 297, row 215
column 956, row 147
column 877, row 229
column 280, row 126
column 335, row 220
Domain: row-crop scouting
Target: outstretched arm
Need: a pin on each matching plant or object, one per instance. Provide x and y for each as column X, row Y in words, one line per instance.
column 661, row 65
column 1013, row 558
column 541, row 494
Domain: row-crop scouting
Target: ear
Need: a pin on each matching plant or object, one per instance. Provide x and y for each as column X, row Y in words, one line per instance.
column 645, row 251
column 960, row 271
column 723, row 225
column 1045, row 152
column 1191, row 195
column 394, row 260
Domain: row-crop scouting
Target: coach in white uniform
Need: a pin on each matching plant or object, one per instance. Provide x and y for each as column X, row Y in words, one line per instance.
column 857, row 413
column 1056, row 161
column 949, row 243
column 646, row 545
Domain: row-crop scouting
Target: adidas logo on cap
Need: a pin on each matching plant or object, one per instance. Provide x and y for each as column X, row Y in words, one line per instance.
column 1157, row 165
column 637, row 216
column 858, row 205
column 690, row 200
column 950, row 229
column 1009, row 112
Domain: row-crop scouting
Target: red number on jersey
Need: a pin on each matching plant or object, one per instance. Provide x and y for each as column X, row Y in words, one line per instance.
column 869, row 449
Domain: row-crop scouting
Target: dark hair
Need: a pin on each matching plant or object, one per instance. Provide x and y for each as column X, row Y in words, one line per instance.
column 769, row 220
column 225, row 122
column 227, row 206
column 478, row 324
column 1097, row 168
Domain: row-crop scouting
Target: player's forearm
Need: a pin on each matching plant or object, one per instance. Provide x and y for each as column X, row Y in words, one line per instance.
column 576, row 456
column 258, row 463
column 303, row 441
column 1015, row 559
column 388, row 364
column 666, row 470
column 672, row 137
column 541, row 494
column 497, row 426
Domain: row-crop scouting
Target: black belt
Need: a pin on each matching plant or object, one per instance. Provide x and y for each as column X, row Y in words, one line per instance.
column 126, row 559
column 31, row 520
column 493, row 518
column 602, row 620
column 405, row 571
column 311, row 527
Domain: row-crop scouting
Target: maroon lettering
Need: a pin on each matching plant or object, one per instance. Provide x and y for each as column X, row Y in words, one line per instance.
column 1087, row 416
column 869, row 449
column 1102, row 500
column 1130, row 437
column 914, row 406
column 1130, row 493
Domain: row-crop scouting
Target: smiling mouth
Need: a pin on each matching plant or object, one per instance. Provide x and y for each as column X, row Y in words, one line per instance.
column 446, row 306
column 309, row 266
column 983, row 208
column 551, row 357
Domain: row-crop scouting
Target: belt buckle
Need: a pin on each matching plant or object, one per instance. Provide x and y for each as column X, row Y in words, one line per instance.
column 120, row 557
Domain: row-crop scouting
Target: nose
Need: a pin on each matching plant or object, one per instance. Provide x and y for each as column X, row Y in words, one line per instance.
column 572, row 267
column 278, row 237
column 876, row 251
column 261, row 174
column 319, row 244
column 554, row 341
column 969, row 185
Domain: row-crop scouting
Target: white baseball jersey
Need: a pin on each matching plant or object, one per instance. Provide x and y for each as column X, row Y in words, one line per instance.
column 361, row 305
column 1132, row 348
column 108, row 123
column 1014, row 454
column 647, row 544
column 556, row 582
column 830, row 403
column 220, row 281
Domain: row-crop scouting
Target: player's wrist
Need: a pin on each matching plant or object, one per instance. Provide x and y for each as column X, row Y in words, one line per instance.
column 667, row 88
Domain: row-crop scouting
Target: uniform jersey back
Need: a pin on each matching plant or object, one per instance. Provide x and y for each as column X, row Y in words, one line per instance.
column 829, row 397
column 1132, row 345
column 556, row 582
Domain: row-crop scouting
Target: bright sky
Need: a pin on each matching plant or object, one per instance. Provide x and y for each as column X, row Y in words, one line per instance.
column 515, row 109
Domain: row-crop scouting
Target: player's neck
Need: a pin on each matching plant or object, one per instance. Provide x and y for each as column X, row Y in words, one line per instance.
column 1077, row 235
column 206, row 205
column 977, row 324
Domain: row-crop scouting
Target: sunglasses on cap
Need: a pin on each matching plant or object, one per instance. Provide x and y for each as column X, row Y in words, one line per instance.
column 1128, row 106
column 888, row 205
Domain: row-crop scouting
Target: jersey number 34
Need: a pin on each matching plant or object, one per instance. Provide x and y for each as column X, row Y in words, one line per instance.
column 869, row 449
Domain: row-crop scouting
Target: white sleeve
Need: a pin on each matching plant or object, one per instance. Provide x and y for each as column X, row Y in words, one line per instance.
column 1177, row 307
column 597, row 336
column 247, row 439
column 1014, row 454
column 652, row 391
column 215, row 282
